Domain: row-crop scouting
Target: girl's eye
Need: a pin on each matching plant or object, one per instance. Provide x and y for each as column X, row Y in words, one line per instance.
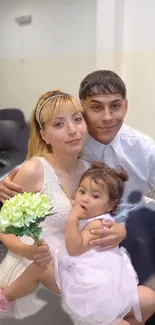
column 95, row 196
column 81, row 191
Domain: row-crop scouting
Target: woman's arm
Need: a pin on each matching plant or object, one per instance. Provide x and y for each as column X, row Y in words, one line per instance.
column 14, row 245
column 77, row 242
column 30, row 176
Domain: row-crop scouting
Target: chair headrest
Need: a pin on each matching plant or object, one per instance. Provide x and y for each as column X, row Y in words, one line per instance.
column 9, row 134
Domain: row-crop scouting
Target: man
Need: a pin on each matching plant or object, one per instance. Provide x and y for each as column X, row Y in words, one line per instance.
column 103, row 96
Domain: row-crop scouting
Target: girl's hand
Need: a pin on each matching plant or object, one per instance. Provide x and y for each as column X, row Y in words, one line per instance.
column 79, row 212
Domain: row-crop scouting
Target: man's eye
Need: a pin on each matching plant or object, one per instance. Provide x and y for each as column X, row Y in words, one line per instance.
column 96, row 108
column 115, row 106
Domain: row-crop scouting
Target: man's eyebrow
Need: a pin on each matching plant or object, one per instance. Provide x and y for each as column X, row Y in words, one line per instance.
column 100, row 102
column 116, row 100
column 96, row 101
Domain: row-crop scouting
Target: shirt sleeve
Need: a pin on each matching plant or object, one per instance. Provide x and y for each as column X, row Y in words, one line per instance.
column 151, row 176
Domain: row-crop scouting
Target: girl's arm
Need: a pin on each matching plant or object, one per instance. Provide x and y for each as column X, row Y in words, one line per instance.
column 77, row 242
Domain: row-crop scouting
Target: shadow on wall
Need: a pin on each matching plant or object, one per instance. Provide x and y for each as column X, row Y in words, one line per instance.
column 51, row 314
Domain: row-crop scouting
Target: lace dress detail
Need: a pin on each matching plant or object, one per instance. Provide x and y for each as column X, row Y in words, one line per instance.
column 13, row 266
column 98, row 288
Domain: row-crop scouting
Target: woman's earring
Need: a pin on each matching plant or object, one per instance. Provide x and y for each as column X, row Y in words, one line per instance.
column 49, row 146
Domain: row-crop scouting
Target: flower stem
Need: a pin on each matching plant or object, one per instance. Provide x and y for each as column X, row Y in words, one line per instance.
column 36, row 239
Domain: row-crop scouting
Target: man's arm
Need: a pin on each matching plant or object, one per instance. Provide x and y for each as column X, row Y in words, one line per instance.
column 112, row 234
column 151, row 177
column 8, row 188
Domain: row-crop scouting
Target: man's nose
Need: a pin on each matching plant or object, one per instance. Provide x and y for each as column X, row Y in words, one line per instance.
column 107, row 114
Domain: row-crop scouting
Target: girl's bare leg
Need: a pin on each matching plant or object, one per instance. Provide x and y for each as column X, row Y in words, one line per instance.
column 29, row 281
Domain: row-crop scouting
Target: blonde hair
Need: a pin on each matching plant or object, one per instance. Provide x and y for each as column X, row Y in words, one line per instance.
column 47, row 108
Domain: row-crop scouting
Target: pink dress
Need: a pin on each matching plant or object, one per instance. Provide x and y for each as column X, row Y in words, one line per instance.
column 97, row 287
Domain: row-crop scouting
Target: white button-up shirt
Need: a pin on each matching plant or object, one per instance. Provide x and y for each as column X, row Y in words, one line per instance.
column 134, row 151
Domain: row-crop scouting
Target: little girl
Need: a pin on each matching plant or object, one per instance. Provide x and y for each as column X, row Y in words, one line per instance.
column 96, row 287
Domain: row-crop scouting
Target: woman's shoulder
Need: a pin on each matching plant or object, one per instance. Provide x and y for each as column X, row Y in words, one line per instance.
column 32, row 167
column 30, row 175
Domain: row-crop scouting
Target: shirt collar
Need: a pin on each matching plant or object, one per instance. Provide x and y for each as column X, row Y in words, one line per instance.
column 98, row 147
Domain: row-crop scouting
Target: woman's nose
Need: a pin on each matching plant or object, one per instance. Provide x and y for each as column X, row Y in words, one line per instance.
column 72, row 128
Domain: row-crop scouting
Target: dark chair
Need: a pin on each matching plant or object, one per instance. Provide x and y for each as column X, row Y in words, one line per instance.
column 16, row 115
column 13, row 114
column 14, row 135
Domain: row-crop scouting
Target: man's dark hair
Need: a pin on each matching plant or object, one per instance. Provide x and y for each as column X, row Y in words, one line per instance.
column 102, row 82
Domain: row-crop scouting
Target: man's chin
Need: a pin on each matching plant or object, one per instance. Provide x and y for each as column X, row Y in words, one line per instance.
column 105, row 139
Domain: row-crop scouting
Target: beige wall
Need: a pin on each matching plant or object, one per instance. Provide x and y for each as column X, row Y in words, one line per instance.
column 24, row 82
column 128, row 47
column 69, row 39
column 56, row 51
column 139, row 63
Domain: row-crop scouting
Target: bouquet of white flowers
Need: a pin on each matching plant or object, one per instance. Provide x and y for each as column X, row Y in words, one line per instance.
column 22, row 214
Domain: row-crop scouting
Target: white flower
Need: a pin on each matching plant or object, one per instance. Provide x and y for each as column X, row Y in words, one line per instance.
column 23, row 210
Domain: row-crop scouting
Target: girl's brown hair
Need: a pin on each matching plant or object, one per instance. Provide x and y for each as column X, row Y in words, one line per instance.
column 47, row 108
column 114, row 179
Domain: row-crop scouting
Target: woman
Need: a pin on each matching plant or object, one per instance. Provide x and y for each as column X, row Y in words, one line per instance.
column 58, row 133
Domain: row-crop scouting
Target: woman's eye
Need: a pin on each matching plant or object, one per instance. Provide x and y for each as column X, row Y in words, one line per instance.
column 78, row 119
column 58, row 124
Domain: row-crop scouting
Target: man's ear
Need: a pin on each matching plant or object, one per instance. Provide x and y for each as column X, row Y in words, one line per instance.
column 126, row 105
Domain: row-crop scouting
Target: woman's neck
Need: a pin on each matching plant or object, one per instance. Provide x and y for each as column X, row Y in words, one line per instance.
column 66, row 163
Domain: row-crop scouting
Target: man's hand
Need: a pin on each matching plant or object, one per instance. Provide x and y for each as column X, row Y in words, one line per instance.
column 8, row 188
column 41, row 255
column 112, row 235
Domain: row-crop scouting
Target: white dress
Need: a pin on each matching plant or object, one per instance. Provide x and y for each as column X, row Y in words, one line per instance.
column 53, row 233
column 97, row 287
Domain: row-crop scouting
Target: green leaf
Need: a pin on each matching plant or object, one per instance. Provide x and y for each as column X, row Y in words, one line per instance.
column 38, row 220
column 14, row 230
column 26, row 232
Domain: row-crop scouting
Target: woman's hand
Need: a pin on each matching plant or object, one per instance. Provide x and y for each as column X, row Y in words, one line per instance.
column 41, row 255
column 111, row 236
column 8, row 188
